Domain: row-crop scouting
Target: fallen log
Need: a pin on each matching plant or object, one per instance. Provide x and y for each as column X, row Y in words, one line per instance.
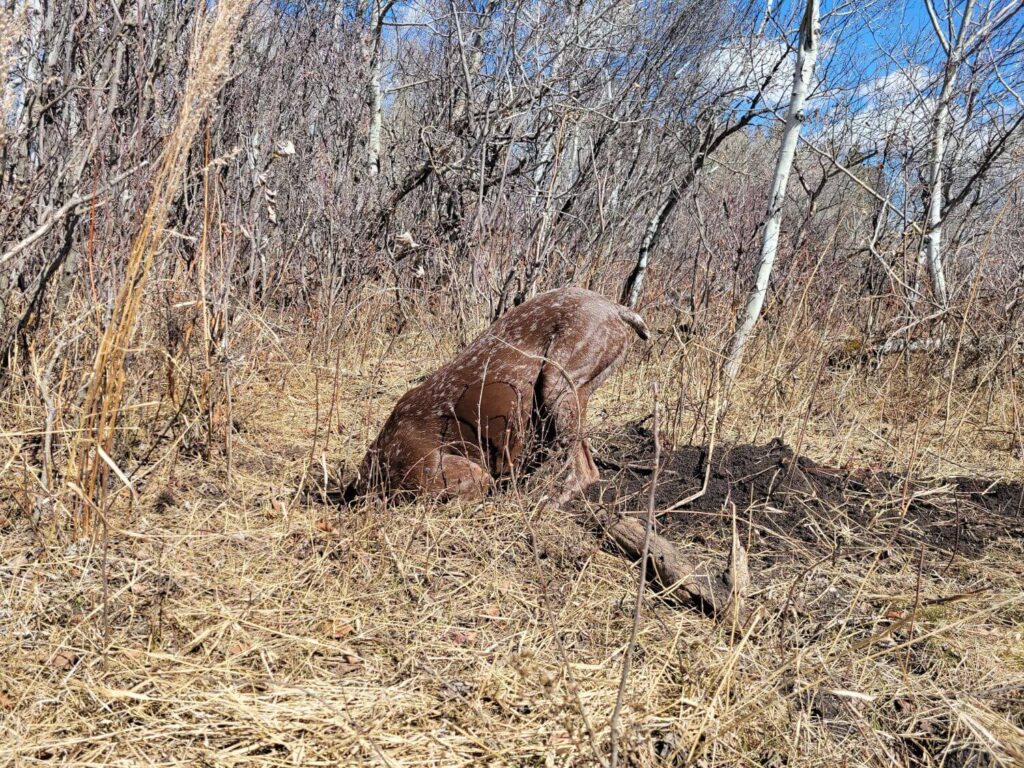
column 680, row 578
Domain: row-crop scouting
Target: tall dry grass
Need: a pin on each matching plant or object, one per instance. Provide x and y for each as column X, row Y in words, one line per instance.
column 90, row 459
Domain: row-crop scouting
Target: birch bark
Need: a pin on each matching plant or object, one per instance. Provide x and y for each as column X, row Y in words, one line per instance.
column 807, row 54
column 932, row 246
column 374, row 94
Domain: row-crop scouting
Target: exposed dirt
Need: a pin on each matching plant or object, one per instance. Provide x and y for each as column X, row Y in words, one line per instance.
column 782, row 500
column 852, row 545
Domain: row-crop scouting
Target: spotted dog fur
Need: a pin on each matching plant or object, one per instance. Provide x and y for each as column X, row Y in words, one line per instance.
column 515, row 398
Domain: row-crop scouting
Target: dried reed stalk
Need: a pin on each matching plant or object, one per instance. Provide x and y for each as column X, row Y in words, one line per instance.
column 209, row 60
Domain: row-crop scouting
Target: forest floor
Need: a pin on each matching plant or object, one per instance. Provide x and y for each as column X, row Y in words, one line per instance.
column 227, row 619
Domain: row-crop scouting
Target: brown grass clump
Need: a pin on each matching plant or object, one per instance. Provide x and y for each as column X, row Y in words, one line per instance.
column 232, row 622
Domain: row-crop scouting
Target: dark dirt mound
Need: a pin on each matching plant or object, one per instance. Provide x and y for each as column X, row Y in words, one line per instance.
column 786, row 501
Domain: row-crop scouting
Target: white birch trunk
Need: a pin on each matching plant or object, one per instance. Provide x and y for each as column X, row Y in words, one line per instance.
column 933, row 234
column 547, row 154
column 374, row 95
column 806, row 56
column 635, row 283
column 931, row 252
column 31, row 83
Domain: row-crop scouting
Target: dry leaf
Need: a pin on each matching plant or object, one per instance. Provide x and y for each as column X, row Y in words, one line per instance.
column 548, row 677
column 492, row 612
column 347, row 661
column 284, row 148
column 6, row 702
column 325, row 525
column 63, row 660
column 338, row 629
column 237, row 649
column 406, row 240
column 465, row 638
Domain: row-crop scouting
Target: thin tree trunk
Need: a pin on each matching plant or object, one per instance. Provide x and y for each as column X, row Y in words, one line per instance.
column 932, row 250
column 374, row 94
column 635, row 282
column 806, row 56
column 31, row 83
column 954, row 47
column 932, row 256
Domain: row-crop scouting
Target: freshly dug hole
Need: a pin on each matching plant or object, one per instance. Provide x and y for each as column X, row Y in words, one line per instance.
column 779, row 497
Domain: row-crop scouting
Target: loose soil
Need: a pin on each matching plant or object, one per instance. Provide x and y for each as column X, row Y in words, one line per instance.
column 782, row 500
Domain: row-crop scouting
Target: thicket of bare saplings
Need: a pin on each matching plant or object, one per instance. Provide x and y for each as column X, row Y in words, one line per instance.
column 626, row 147
column 213, row 211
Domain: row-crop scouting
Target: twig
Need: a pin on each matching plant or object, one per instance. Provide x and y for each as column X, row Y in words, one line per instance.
column 917, row 605
column 556, row 635
column 707, row 461
column 63, row 211
column 627, row 658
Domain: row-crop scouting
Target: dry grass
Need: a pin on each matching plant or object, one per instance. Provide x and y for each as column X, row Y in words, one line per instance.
column 242, row 625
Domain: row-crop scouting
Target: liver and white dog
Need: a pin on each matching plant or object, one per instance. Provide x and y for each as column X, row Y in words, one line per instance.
column 514, row 398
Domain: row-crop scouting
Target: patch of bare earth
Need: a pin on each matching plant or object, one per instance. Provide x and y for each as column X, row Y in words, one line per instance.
column 894, row 603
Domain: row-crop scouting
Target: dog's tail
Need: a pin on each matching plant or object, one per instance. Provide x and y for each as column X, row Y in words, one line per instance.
column 634, row 321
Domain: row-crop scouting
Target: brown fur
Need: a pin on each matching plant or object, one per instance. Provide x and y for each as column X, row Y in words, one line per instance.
column 515, row 397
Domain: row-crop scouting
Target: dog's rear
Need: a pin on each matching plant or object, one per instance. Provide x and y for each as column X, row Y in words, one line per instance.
column 552, row 352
